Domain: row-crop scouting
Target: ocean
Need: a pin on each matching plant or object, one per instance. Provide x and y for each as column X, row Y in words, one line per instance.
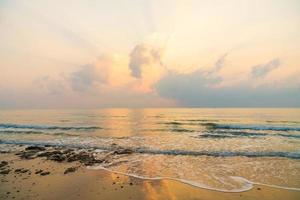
column 219, row 149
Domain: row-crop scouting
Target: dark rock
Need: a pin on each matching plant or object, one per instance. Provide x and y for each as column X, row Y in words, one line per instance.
column 45, row 173
column 53, row 155
column 70, row 169
column 21, row 170
column 27, row 155
column 5, row 171
column 3, row 163
column 83, row 157
column 123, row 151
column 44, row 154
column 39, row 171
column 35, row 148
column 57, row 157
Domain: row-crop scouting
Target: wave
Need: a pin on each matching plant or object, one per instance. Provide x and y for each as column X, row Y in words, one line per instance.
column 8, row 131
column 250, row 127
column 292, row 155
column 283, row 121
column 236, row 134
column 179, row 130
column 47, row 127
column 175, row 152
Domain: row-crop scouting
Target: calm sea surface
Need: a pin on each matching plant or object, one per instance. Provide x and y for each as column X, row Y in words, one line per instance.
column 222, row 149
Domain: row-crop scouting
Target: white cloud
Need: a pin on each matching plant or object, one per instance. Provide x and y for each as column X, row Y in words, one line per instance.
column 143, row 55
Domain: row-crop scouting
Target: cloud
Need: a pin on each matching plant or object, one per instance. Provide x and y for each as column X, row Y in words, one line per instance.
column 261, row 70
column 198, row 88
column 51, row 85
column 199, row 78
column 219, row 64
column 91, row 75
column 143, row 55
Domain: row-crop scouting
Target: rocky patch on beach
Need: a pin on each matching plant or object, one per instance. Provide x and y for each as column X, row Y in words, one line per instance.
column 78, row 156
column 86, row 157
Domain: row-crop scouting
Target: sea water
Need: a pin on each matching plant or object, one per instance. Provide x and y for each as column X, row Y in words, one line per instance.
column 220, row 149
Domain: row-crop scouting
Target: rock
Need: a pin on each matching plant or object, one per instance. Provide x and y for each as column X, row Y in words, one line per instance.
column 44, row 154
column 3, row 163
column 70, row 169
column 21, row 170
column 57, row 157
column 27, row 155
column 53, row 155
column 39, row 171
column 44, row 173
column 35, row 148
column 123, row 151
column 68, row 151
column 5, row 171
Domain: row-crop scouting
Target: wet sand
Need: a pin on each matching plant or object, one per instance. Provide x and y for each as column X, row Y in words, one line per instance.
column 41, row 178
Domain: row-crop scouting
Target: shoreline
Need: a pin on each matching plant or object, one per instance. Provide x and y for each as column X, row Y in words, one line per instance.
column 187, row 182
column 49, row 171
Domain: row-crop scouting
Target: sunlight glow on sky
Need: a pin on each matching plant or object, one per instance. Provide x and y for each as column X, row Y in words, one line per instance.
column 149, row 53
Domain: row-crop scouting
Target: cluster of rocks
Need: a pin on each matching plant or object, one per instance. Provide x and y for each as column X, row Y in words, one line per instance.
column 58, row 154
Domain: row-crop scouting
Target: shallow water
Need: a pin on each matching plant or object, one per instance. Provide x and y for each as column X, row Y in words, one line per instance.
column 223, row 149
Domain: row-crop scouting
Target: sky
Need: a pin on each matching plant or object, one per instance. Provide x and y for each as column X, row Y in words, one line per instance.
column 149, row 53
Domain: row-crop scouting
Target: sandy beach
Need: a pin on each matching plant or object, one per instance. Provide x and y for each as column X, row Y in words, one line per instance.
column 27, row 176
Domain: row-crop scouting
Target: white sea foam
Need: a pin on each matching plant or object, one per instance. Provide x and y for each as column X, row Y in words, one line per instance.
column 247, row 184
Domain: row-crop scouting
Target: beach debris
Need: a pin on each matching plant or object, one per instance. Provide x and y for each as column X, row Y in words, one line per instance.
column 70, row 170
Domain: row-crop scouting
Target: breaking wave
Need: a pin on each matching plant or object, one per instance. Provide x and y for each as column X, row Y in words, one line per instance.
column 175, row 152
column 251, row 127
column 236, row 134
column 47, row 127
